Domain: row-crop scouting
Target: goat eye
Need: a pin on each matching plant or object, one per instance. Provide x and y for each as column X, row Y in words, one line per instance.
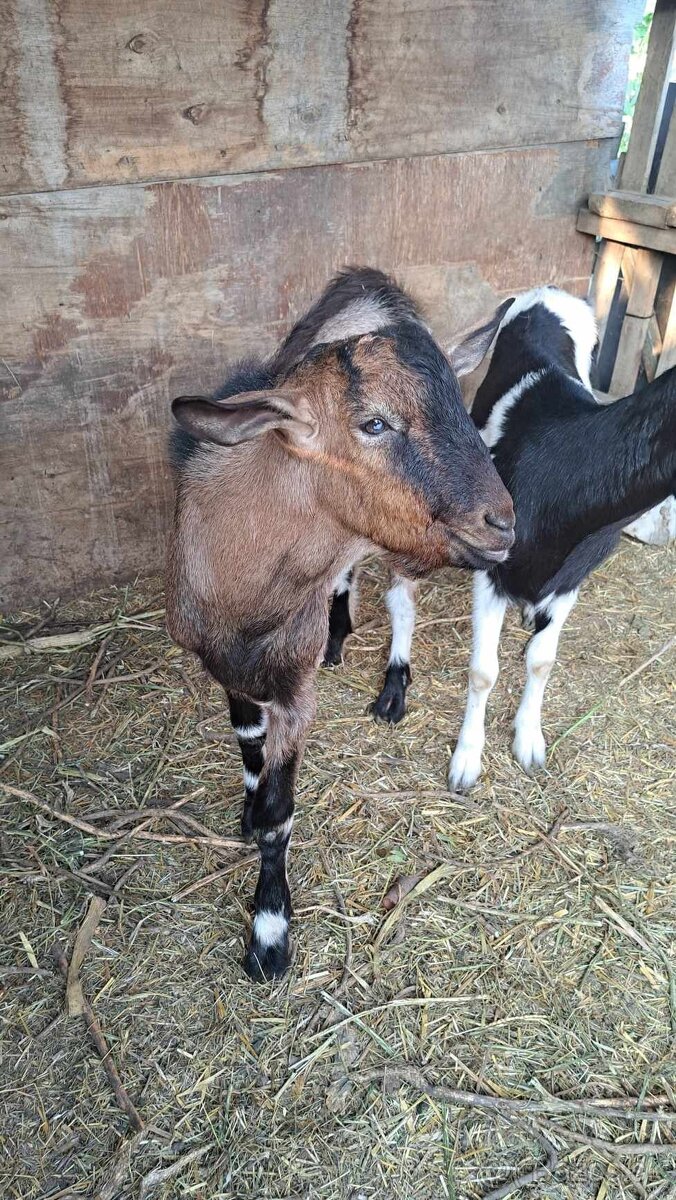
column 375, row 426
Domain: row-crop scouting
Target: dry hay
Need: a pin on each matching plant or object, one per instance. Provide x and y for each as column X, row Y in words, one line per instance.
column 505, row 974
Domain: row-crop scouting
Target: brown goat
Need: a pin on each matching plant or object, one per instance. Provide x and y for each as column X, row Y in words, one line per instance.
column 352, row 439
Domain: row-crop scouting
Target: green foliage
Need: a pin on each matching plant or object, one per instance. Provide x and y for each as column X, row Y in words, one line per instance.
column 639, row 49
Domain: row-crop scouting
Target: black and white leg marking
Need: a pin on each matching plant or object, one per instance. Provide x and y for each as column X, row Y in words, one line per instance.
column 267, row 956
column 340, row 617
column 249, row 722
column 488, row 613
column 390, row 705
column 529, row 746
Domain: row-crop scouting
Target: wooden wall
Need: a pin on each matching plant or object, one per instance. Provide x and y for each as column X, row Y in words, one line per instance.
column 152, row 229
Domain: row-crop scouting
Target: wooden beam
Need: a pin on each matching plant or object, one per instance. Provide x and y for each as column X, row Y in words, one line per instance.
column 604, row 282
column 668, row 352
column 658, row 211
column 627, row 232
column 638, row 160
column 646, row 267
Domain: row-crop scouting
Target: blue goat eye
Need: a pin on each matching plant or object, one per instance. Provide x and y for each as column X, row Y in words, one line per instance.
column 375, row 426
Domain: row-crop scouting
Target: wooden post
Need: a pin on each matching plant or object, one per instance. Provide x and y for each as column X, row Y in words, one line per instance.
column 606, row 274
column 646, row 267
column 636, row 167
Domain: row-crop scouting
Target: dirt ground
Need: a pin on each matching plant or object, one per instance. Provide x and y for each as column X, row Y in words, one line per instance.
column 535, row 959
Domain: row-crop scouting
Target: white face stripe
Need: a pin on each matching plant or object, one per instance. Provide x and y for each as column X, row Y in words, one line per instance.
column 574, row 314
column 492, row 430
column 400, row 601
column 247, row 733
column 250, row 780
column 269, row 928
column 364, row 315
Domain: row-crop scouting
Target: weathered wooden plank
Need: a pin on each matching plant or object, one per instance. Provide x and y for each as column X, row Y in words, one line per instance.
column 639, row 156
column 627, row 232
column 668, row 350
column 116, row 299
column 643, row 270
column 658, row 211
column 135, row 90
column 604, row 283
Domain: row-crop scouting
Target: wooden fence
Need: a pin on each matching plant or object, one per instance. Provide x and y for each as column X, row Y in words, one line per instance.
column 177, row 182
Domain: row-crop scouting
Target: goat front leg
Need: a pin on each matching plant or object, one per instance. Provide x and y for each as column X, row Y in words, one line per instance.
column 488, row 614
column 267, row 956
column 529, row 745
column 250, row 722
column 390, row 705
column 340, row 616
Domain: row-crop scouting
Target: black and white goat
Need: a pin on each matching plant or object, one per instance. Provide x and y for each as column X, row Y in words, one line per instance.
column 578, row 472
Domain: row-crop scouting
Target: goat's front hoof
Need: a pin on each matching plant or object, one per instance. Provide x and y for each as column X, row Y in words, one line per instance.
column 333, row 655
column 390, row 706
column 247, row 821
column 529, row 749
column 465, row 768
column 263, row 963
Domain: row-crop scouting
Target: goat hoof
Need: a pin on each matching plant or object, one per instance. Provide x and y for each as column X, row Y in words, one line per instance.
column 390, row 705
column 464, row 770
column 263, row 963
column 530, row 751
column 333, row 655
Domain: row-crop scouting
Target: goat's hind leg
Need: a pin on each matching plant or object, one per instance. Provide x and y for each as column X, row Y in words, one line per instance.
column 390, row 705
column 340, row 617
column 529, row 745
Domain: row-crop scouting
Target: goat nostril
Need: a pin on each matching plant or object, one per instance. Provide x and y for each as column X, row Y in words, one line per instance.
column 497, row 521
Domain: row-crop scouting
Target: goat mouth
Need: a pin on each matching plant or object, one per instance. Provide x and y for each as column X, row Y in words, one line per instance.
column 476, row 557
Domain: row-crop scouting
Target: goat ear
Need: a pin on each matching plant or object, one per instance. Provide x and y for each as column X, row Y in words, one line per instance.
column 243, row 417
column 468, row 353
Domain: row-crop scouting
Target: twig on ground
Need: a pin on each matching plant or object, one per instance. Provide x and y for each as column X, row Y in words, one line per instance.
column 623, row 1108
column 536, row 1173
column 161, row 1174
column 89, row 685
column 211, row 839
column 247, row 860
column 75, row 1000
column 119, row 1168
column 95, row 1033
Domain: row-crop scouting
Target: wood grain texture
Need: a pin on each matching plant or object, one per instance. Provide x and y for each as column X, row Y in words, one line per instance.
column 124, row 297
column 650, row 102
column 658, row 211
column 629, row 233
column 102, row 92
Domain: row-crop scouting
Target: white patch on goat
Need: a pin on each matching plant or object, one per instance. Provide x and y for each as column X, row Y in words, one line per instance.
column 574, row 314
column 269, row 928
column 247, row 733
column 342, row 581
column 250, row 780
column 279, row 833
column 529, row 744
column 364, row 315
column 400, row 601
column 492, row 430
column 488, row 614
